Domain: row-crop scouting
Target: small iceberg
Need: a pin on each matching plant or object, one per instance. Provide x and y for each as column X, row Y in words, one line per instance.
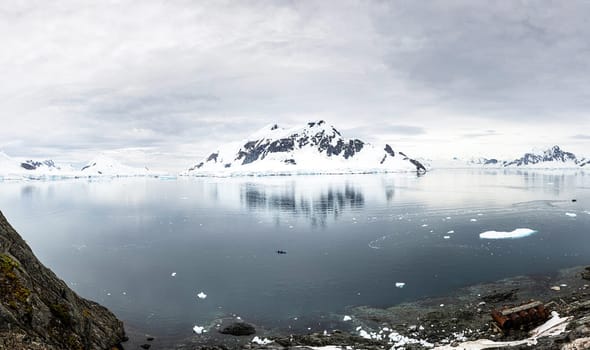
column 201, row 295
column 517, row 233
column 571, row 215
column 198, row 330
column 400, row 284
column 346, row 318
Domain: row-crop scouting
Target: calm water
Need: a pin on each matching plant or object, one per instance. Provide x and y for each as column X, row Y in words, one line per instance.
column 349, row 239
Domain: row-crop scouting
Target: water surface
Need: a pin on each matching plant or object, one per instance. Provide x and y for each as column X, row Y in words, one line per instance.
column 348, row 239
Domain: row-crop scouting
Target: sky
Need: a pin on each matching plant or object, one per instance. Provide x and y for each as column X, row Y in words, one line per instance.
column 163, row 83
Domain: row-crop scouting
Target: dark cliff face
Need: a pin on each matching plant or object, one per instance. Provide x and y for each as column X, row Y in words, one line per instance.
column 39, row 311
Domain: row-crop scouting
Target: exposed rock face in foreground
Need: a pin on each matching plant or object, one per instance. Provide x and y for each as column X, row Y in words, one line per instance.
column 39, row 311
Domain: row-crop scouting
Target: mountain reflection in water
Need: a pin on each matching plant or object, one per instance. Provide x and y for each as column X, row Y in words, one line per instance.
column 316, row 206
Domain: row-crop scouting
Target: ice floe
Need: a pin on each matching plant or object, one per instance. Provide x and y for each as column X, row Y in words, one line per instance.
column 571, row 215
column 517, row 233
column 400, row 284
column 451, row 231
column 447, row 237
column 473, row 220
column 201, row 295
column 173, row 274
column 346, row 318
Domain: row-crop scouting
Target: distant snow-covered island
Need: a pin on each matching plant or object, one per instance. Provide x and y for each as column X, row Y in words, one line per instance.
column 100, row 166
column 314, row 148
column 550, row 158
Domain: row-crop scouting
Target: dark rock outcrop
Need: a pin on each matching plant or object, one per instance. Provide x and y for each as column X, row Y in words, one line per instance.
column 39, row 311
column 238, row 328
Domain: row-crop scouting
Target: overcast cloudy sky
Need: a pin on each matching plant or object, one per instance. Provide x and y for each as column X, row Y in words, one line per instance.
column 164, row 82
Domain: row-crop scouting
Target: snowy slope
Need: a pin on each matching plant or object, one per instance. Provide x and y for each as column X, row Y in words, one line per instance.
column 315, row 147
column 104, row 165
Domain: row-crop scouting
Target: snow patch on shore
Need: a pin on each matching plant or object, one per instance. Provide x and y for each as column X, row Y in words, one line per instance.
column 517, row 233
column 260, row 341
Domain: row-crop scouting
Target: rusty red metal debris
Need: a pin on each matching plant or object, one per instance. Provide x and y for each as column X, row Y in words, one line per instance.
column 526, row 314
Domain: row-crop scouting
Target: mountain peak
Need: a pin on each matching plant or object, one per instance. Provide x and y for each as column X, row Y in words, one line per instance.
column 314, row 147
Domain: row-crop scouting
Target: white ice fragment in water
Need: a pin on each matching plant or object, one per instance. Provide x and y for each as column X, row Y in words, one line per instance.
column 517, row 233
column 451, row 231
column 442, row 305
column 261, row 341
column 571, row 215
column 400, row 284
column 173, row 274
column 563, row 285
column 201, row 295
column 473, row 220
column 424, row 225
column 448, row 218
column 556, row 288
column 447, row 237
column 198, row 330
column 346, row 318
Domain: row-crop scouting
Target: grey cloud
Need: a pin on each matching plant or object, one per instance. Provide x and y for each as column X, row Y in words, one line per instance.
column 529, row 59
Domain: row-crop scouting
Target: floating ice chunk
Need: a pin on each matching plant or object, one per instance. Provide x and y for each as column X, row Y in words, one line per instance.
column 346, row 318
column 563, row 285
column 448, row 218
column 447, row 237
column 424, row 225
column 556, row 288
column 451, row 231
column 173, row 274
column 473, row 220
column 517, row 233
column 400, row 284
column 201, row 295
column 198, row 330
column 571, row 215
column 442, row 305
column 261, row 341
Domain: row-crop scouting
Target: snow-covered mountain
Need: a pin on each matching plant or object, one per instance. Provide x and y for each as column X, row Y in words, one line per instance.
column 550, row 158
column 315, row 147
column 553, row 157
column 105, row 165
column 102, row 165
column 13, row 168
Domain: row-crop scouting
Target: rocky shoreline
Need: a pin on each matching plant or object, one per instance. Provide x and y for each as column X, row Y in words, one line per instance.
column 438, row 322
